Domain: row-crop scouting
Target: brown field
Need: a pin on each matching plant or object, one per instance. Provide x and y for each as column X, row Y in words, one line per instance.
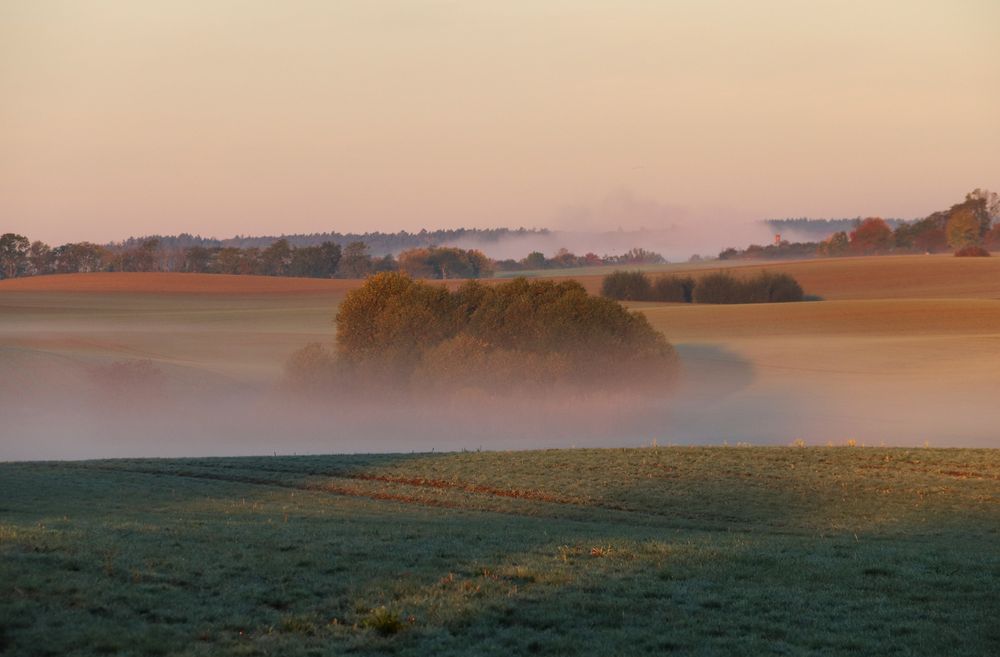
column 885, row 277
column 900, row 350
column 174, row 283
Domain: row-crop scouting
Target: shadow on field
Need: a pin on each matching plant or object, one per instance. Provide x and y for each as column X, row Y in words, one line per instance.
column 656, row 549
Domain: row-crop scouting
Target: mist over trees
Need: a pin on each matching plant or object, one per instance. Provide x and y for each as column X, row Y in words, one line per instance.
column 398, row 333
column 379, row 244
column 975, row 222
column 564, row 259
column 818, row 229
column 281, row 257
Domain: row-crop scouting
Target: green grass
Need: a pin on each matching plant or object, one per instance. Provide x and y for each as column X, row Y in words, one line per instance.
column 603, row 552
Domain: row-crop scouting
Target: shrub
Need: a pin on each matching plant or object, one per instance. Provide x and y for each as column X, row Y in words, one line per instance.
column 719, row 287
column 599, row 337
column 637, row 286
column 383, row 621
column 765, row 287
column 673, row 289
column 396, row 330
column 626, row 286
column 390, row 320
column 778, row 288
column 972, row 252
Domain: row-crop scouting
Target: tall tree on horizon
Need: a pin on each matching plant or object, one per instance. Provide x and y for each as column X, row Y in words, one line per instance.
column 13, row 254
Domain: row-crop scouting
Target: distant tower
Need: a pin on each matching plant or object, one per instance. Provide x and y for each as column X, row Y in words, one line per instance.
column 777, row 239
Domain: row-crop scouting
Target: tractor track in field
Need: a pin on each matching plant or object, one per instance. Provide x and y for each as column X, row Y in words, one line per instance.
column 577, row 510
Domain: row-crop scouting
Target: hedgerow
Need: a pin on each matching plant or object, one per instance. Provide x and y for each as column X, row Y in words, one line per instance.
column 715, row 288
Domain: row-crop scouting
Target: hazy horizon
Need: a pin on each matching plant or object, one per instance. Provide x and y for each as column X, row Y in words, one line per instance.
column 227, row 118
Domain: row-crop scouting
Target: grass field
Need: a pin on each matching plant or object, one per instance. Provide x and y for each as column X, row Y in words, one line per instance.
column 599, row 552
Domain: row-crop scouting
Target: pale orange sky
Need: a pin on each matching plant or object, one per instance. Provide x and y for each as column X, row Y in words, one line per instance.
column 125, row 117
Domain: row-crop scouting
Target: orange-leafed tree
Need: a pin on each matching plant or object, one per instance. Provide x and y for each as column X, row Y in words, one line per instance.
column 872, row 236
column 964, row 228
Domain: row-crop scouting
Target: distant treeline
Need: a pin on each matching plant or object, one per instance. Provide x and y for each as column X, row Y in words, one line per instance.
column 717, row 287
column 804, row 227
column 971, row 223
column 564, row 259
column 21, row 257
column 379, row 244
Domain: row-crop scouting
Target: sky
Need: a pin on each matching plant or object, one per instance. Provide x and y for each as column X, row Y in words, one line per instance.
column 229, row 117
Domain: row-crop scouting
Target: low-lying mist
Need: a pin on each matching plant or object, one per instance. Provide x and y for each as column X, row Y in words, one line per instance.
column 623, row 220
column 52, row 409
column 94, row 419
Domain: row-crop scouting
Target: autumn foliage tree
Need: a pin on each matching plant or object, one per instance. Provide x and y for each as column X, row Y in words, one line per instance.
column 408, row 334
column 963, row 228
column 384, row 326
column 445, row 262
column 837, row 244
column 872, row 236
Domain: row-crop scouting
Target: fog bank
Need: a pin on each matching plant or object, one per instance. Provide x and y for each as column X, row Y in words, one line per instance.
column 59, row 410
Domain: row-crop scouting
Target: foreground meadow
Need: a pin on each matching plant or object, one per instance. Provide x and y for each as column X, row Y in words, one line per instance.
column 641, row 551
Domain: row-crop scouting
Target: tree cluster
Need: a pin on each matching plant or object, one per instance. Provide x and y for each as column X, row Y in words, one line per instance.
column 973, row 222
column 405, row 334
column 279, row 259
column 719, row 287
column 565, row 259
column 815, row 230
column 639, row 286
column 20, row 257
column 445, row 262
column 783, row 250
column 765, row 287
column 379, row 244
